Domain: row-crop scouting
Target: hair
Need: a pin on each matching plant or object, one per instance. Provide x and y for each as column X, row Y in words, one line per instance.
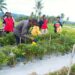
column 44, row 15
column 34, row 21
column 58, row 17
column 7, row 14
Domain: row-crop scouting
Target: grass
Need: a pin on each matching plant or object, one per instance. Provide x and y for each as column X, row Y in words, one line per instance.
column 70, row 25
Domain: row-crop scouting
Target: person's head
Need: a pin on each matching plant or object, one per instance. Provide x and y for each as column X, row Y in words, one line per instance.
column 58, row 18
column 44, row 17
column 9, row 14
column 5, row 15
column 35, row 22
column 30, row 22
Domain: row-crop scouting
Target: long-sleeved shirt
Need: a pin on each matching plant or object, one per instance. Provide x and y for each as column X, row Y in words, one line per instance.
column 22, row 28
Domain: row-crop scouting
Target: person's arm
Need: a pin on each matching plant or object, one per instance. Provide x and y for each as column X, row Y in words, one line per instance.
column 4, row 23
column 24, row 28
column 13, row 22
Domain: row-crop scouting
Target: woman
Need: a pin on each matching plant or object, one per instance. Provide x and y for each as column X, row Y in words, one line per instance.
column 8, row 23
column 35, row 29
column 57, row 26
column 44, row 26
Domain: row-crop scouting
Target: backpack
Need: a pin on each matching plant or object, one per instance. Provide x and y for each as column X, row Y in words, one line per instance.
column 57, row 25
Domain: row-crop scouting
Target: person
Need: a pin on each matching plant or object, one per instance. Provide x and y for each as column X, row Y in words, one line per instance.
column 35, row 30
column 21, row 31
column 8, row 22
column 61, row 21
column 57, row 26
column 44, row 27
column 5, row 15
column 40, row 23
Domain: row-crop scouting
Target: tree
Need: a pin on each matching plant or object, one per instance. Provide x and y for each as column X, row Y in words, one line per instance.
column 67, row 19
column 32, row 15
column 2, row 5
column 38, row 7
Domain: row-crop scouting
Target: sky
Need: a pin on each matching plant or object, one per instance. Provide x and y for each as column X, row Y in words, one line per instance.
column 50, row 7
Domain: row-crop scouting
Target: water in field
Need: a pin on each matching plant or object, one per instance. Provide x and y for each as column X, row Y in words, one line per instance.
column 41, row 67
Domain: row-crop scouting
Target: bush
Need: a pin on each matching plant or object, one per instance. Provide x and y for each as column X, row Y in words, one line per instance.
column 8, row 39
column 6, row 56
column 46, row 44
column 3, row 59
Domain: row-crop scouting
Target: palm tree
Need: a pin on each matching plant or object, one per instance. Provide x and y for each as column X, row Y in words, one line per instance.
column 32, row 15
column 2, row 5
column 38, row 7
column 67, row 19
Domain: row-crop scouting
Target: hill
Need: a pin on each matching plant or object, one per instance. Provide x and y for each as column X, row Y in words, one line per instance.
column 15, row 15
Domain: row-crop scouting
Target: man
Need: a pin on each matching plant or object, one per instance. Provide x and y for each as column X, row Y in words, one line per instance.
column 61, row 21
column 21, row 30
column 40, row 23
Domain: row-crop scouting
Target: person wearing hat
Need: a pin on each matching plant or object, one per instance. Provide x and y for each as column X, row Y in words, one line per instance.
column 8, row 23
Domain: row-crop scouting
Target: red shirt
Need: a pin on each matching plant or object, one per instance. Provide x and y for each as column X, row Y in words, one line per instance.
column 9, row 24
column 44, row 25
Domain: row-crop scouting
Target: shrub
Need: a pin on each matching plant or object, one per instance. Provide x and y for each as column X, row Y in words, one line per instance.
column 3, row 59
column 8, row 39
column 46, row 44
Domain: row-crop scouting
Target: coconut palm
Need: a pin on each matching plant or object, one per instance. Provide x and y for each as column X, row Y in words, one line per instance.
column 38, row 7
column 2, row 5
